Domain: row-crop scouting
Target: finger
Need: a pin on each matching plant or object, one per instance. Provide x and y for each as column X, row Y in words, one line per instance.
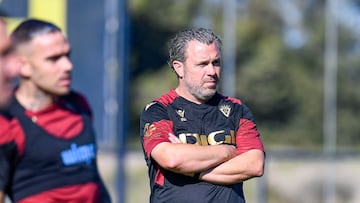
column 173, row 138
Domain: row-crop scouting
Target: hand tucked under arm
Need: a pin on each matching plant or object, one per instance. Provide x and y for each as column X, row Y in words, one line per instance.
column 188, row 158
column 240, row 168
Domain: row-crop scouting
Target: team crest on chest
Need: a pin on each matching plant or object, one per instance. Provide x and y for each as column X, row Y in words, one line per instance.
column 181, row 113
column 225, row 109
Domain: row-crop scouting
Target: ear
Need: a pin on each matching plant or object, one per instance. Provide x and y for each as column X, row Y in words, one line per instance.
column 179, row 68
column 25, row 67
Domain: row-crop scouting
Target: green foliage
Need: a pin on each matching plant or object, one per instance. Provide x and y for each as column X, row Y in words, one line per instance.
column 270, row 80
column 148, row 87
column 282, row 86
column 170, row 14
column 144, row 89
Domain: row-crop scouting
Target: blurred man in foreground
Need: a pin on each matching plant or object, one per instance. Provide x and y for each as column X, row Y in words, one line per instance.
column 8, row 71
column 48, row 149
column 8, row 67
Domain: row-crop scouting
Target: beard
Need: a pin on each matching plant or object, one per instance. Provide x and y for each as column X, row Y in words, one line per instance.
column 200, row 92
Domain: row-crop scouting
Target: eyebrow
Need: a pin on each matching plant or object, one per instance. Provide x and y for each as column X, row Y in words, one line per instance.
column 56, row 56
column 217, row 59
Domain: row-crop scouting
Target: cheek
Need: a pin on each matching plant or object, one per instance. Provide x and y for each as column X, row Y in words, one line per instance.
column 12, row 66
column 190, row 76
column 194, row 79
column 43, row 74
column 218, row 72
column 2, row 75
column 1, row 65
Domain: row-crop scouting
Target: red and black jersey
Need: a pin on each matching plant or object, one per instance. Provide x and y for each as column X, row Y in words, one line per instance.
column 50, row 155
column 221, row 120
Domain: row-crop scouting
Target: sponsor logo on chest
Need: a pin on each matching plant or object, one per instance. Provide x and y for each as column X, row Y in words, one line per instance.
column 78, row 154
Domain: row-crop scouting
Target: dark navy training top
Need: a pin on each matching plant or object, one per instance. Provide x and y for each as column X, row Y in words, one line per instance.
column 221, row 120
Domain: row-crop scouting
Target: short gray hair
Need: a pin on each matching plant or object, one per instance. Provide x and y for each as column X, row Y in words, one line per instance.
column 177, row 45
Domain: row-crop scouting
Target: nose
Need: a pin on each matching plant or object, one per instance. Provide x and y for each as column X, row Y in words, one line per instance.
column 211, row 69
column 67, row 64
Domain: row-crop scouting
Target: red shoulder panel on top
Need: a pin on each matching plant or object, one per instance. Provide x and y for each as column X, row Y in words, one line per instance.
column 168, row 97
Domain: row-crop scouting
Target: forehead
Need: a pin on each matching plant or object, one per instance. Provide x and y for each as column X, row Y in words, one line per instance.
column 53, row 38
column 51, row 42
column 196, row 49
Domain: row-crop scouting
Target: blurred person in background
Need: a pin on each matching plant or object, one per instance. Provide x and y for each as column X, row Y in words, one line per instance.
column 199, row 145
column 8, row 67
column 48, row 151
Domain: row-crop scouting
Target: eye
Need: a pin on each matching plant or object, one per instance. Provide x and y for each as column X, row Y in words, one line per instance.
column 216, row 62
column 58, row 57
column 203, row 64
column 54, row 58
